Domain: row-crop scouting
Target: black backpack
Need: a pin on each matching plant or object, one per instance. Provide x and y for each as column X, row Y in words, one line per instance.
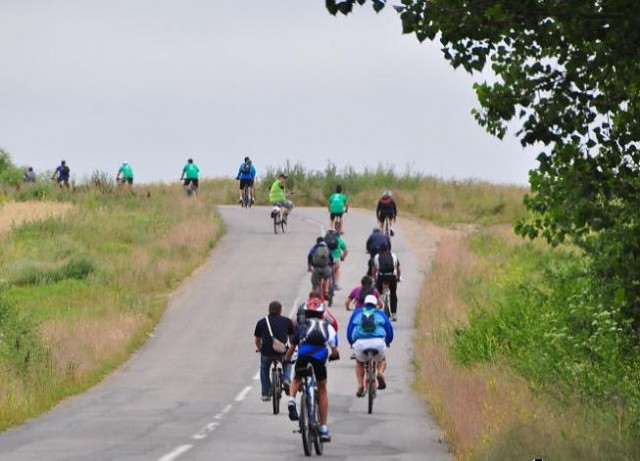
column 385, row 263
column 320, row 257
column 316, row 332
column 246, row 168
column 331, row 239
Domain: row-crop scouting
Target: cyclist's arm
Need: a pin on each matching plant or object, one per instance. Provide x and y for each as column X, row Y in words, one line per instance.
column 258, row 343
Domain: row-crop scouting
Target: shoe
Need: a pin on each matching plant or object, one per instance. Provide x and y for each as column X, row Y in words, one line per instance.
column 324, row 435
column 360, row 392
column 293, row 412
column 391, row 232
column 382, row 384
column 394, row 317
column 286, row 386
column 265, row 398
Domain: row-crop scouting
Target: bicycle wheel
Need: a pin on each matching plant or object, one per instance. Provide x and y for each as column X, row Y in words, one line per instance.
column 371, row 384
column 276, row 389
column 318, row 444
column 283, row 223
column 276, row 223
column 304, row 422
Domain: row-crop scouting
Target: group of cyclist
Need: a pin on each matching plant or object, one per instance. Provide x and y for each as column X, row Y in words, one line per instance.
column 314, row 338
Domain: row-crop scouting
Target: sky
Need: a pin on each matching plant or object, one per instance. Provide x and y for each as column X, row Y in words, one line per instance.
column 155, row 82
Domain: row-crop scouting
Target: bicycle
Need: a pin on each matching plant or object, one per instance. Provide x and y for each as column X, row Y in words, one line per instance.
column 246, row 199
column 279, row 215
column 337, row 224
column 277, row 379
column 370, row 377
column 191, row 189
column 386, row 227
column 309, row 420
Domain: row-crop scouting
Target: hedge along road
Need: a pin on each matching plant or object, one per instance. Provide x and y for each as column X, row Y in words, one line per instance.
column 192, row 392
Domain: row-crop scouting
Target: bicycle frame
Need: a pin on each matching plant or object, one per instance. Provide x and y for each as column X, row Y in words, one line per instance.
column 309, row 422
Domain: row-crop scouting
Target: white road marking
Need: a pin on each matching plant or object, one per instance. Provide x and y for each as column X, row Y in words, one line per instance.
column 205, row 431
column 256, row 376
column 175, row 453
column 224, row 411
column 242, row 394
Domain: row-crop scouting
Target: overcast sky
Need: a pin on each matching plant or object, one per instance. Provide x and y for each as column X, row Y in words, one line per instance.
column 154, row 82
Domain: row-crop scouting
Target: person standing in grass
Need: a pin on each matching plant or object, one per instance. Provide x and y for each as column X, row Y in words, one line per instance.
column 62, row 174
column 126, row 173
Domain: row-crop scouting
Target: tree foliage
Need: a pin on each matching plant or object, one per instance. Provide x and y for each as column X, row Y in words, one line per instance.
column 567, row 75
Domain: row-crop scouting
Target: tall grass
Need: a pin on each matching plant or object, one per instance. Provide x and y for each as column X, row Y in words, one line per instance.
column 86, row 287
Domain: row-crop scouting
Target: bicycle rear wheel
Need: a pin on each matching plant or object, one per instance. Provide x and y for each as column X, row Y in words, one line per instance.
column 318, row 444
column 305, row 424
column 276, row 223
column 371, row 385
column 283, row 223
column 386, row 300
column 276, row 389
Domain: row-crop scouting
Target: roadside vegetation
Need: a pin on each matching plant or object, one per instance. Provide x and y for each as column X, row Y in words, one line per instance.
column 518, row 355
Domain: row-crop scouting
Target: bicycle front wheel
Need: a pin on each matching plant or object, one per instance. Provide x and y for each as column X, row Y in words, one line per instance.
column 305, row 424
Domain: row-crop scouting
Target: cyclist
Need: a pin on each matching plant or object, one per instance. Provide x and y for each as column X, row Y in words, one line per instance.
column 375, row 240
column 278, row 194
column 387, row 270
column 386, row 209
column 315, row 298
column 359, row 293
column 282, row 329
column 29, row 175
column 62, row 174
column 190, row 174
column 246, row 175
column 339, row 251
column 369, row 328
column 337, row 207
column 320, row 264
column 126, row 173
column 311, row 341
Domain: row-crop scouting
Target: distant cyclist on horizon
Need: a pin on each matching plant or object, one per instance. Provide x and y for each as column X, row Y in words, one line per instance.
column 246, row 175
column 386, row 209
column 338, row 206
column 62, row 174
column 190, row 174
column 126, row 173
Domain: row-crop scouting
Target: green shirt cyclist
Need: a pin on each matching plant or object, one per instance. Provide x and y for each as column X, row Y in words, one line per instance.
column 337, row 207
column 125, row 172
column 190, row 173
column 278, row 192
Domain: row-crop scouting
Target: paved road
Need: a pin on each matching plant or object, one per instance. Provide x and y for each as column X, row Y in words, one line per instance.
column 191, row 393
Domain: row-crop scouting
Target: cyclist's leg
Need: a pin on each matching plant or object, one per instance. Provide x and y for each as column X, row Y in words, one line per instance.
column 265, row 380
column 336, row 272
column 251, row 196
column 393, row 286
column 323, row 404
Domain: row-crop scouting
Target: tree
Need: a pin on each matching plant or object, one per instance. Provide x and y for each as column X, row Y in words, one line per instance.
column 567, row 75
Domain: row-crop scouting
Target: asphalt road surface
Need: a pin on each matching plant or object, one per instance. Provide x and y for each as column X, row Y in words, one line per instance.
column 192, row 392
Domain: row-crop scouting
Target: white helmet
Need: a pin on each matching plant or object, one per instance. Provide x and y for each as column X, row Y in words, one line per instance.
column 386, row 193
column 370, row 299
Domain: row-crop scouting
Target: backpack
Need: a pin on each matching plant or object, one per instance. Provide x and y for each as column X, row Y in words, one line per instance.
column 385, row 263
column 246, row 168
column 331, row 239
column 320, row 257
column 386, row 206
column 316, row 332
column 65, row 170
column 367, row 322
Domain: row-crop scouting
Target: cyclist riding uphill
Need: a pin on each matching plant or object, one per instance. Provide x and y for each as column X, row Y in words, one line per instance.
column 190, row 174
column 386, row 209
column 339, row 251
column 320, row 264
column 375, row 240
column 315, row 298
column 337, row 207
column 311, row 342
column 125, row 172
column 246, row 175
column 278, row 194
column 277, row 326
column 369, row 328
column 386, row 268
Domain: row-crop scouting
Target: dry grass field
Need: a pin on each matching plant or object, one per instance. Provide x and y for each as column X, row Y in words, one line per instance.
column 15, row 213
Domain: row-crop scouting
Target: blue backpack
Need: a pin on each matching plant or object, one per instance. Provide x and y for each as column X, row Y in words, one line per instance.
column 367, row 322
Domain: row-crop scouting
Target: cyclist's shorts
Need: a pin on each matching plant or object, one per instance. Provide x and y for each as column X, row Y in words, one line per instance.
column 384, row 215
column 332, row 216
column 246, row 183
column 369, row 343
column 319, row 273
column 128, row 180
column 191, row 180
column 319, row 366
